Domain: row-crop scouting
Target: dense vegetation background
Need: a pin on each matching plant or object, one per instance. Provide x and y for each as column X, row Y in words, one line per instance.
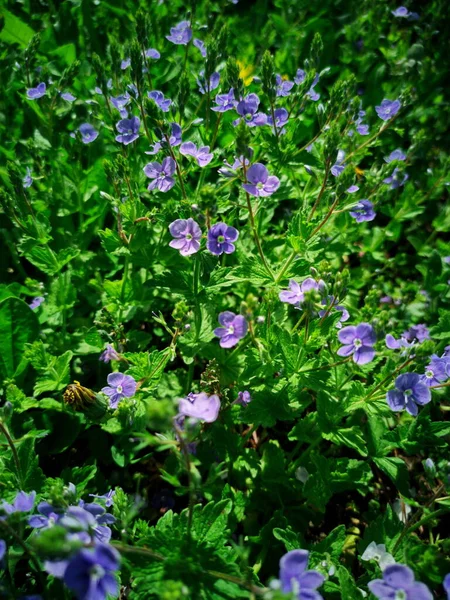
column 306, row 451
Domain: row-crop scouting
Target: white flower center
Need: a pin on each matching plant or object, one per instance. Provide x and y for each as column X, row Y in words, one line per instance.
column 221, row 239
column 357, row 343
column 97, row 572
column 119, row 389
column 230, row 329
column 188, row 236
column 429, row 374
column 260, row 185
column 400, row 595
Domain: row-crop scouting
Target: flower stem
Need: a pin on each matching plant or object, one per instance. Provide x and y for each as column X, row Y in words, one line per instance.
column 388, row 378
column 15, row 455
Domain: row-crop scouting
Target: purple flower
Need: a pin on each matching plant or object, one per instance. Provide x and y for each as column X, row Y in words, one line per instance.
column 283, row 87
column 352, row 189
column 88, row 133
column 120, row 102
column 247, row 108
column 180, row 34
column 47, row 517
column 22, row 503
column 159, row 100
column 174, row 139
column 329, row 302
column 128, row 129
column 152, row 53
column 125, row 64
column 446, row 585
column 395, row 155
column 108, row 497
column 243, row 398
column 394, row 179
column 339, row 165
column 161, row 174
column 398, row 582
column 68, row 97
column 296, row 293
column 37, row 92
column 187, row 234
column 201, row 46
column 88, row 522
column 437, row 371
column 234, row 328
column 311, row 93
column 261, row 183
column 109, row 354
column 204, row 86
column 409, row 393
column 361, row 127
column 230, row 170
column 281, row 118
column 401, row 11
column 202, row 155
column 363, row 211
column 388, row 109
column 225, row 102
column 200, row 406
column 418, row 332
column 36, row 302
column 119, row 386
column 28, row 179
column 3, row 548
column 358, row 341
column 300, row 76
column 394, row 344
column 89, row 574
column 220, row 239
column 295, row 578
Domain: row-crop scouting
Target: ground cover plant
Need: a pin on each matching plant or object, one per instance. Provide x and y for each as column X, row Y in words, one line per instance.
column 224, row 304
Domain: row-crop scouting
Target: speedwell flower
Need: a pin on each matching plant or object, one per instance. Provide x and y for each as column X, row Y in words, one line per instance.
column 187, row 234
column 159, row 100
column 37, row 92
column 295, row 578
column 181, row 34
column 119, row 386
column 200, row 406
column 398, row 583
column 296, row 293
column 128, row 130
column 89, row 574
column 388, row 109
column 363, row 211
column 220, row 239
column 247, row 108
column 358, row 341
column 260, row 182
column 437, row 371
column 202, row 155
column 409, row 393
column 234, row 328
column 161, row 174
column 205, row 86
column 225, row 102
column 88, row 133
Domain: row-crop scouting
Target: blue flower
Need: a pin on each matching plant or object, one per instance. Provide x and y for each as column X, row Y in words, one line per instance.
column 204, row 86
column 295, row 578
column 89, row 574
column 119, row 386
column 398, row 582
column 284, row 87
column 23, row 502
column 363, row 211
column 409, row 394
column 37, row 92
column 388, row 109
column 128, row 130
column 181, row 34
column 159, row 100
column 88, row 133
column 225, row 102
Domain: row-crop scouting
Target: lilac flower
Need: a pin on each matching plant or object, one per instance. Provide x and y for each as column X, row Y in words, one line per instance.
column 395, row 155
column 283, row 87
column 388, row 109
column 180, row 34
column 128, row 129
column 109, row 354
column 361, row 128
column 37, row 92
column 300, row 76
column 161, row 174
column 109, row 85
column 281, row 118
column 22, row 503
column 159, row 100
column 174, row 139
column 88, row 522
column 220, row 239
column 108, row 497
column 225, row 102
column 28, row 179
column 378, row 553
column 311, row 93
column 201, row 46
column 295, row 578
column 204, row 86
column 88, row 133
column 352, row 189
column 398, row 582
column 410, row 393
column 329, row 302
column 68, row 97
column 230, row 170
column 418, row 332
column 436, row 372
column 36, row 302
column 89, row 574
column 202, row 155
column 401, row 11
column 47, row 517
column 120, row 102
column 296, row 293
column 394, row 179
column 234, row 328
column 358, row 341
column 247, row 108
column 200, row 406
column 363, row 211
column 243, row 398
column 261, row 183
column 339, row 165
column 187, row 234
column 119, row 386
column 125, row 64
column 152, row 53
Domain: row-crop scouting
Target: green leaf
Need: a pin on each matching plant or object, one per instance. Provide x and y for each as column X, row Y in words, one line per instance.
column 18, row 326
column 15, row 31
column 56, row 375
column 396, row 469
